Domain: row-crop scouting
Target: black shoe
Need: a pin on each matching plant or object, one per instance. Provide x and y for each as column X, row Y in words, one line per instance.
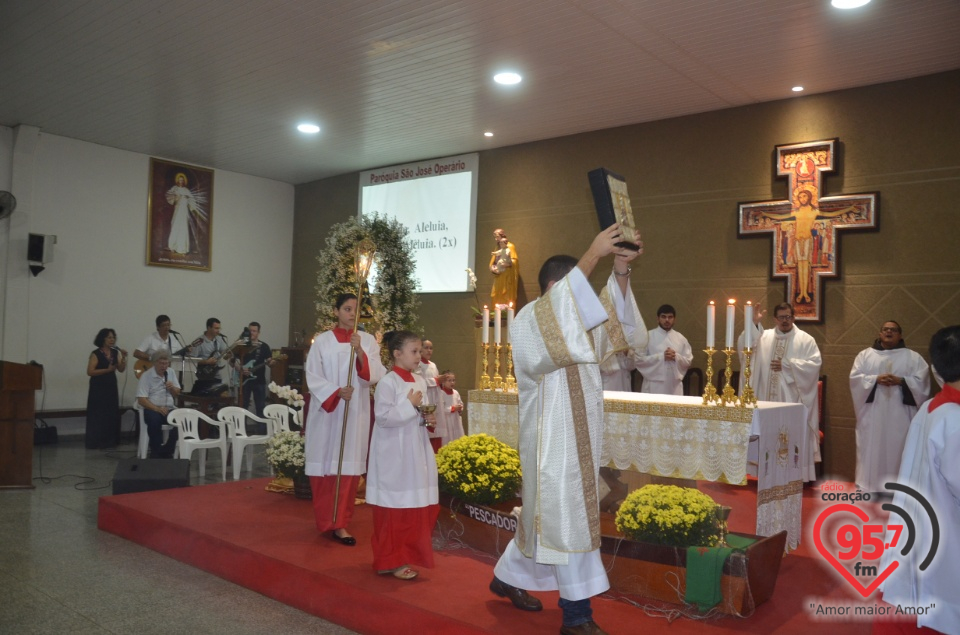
column 343, row 540
column 520, row 598
column 587, row 628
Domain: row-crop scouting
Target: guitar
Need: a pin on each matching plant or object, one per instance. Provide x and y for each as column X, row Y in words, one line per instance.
column 211, row 371
column 255, row 368
column 142, row 365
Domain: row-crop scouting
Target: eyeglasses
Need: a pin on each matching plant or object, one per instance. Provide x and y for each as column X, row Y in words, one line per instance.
column 889, row 329
column 783, row 318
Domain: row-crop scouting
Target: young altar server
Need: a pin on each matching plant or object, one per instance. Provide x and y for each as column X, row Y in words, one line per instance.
column 431, row 376
column 451, row 407
column 402, row 474
column 327, row 379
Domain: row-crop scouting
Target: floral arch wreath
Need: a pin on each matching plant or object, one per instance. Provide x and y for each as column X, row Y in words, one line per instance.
column 393, row 303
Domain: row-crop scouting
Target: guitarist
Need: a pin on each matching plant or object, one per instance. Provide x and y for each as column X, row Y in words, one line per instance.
column 255, row 384
column 211, row 349
column 161, row 339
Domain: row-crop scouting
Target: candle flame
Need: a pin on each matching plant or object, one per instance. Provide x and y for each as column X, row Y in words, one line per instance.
column 712, row 302
column 732, row 301
column 749, row 302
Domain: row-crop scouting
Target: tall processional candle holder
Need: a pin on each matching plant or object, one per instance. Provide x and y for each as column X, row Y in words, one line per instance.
column 362, row 261
column 747, row 398
column 710, row 392
column 729, row 395
column 510, row 382
column 497, row 379
column 485, row 383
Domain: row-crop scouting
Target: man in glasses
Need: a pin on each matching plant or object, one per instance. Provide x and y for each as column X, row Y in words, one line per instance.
column 786, row 367
column 888, row 381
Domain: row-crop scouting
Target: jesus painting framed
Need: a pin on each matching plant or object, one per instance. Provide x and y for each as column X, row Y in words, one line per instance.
column 179, row 215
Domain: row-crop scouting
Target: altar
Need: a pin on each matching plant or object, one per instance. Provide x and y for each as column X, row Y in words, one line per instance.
column 679, row 437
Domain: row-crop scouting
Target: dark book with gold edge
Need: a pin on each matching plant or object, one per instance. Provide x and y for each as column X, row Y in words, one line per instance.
column 613, row 204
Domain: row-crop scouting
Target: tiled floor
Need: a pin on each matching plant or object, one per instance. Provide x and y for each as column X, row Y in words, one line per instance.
column 59, row 574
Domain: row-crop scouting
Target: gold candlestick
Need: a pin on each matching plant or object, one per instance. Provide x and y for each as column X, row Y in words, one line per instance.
column 510, row 382
column 484, row 378
column 497, row 379
column 729, row 396
column 710, row 392
column 747, row 399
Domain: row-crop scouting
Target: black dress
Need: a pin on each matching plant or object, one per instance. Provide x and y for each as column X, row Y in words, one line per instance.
column 103, row 406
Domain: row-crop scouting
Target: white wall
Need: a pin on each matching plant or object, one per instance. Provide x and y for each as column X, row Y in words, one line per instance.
column 94, row 199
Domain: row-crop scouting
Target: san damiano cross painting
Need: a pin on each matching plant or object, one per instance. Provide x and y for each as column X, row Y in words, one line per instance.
column 805, row 228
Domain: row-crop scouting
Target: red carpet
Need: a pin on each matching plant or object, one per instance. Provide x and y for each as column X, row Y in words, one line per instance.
column 268, row 542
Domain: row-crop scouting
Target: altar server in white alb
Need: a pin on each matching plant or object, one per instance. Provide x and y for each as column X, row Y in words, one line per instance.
column 451, row 408
column 785, row 367
column 667, row 357
column 402, row 481
column 615, row 370
column 327, row 372
column 930, row 466
column 887, row 382
column 559, row 342
column 431, row 376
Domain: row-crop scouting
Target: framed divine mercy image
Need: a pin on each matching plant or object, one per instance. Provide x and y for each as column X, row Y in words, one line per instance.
column 179, row 215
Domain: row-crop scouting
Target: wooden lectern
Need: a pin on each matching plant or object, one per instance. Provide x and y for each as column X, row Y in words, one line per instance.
column 17, row 385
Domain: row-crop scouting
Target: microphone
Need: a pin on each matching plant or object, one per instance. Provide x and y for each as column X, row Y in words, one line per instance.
column 175, row 332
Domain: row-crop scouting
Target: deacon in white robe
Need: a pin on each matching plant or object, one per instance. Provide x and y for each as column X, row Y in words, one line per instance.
column 615, row 370
column 667, row 357
column 931, row 468
column 785, row 367
column 559, row 342
column 327, row 371
column 887, row 382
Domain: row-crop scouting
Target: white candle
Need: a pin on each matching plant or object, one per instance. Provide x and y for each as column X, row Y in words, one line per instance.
column 731, row 320
column 748, row 325
column 496, row 327
column 486, row 325
column 509, row 320
column 711, row 323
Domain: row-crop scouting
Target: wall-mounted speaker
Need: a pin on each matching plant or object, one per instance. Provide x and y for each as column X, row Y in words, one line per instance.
column 40, row 248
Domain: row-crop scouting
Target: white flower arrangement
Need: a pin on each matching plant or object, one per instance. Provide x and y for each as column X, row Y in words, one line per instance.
column 472, row 282
column 290, row 395
column 393, row 300
column 285, row 452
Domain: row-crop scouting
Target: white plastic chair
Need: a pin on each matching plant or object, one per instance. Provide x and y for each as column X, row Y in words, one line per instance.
column 188, row 421
column 235, row 419
column 143, row 446
column 280, row 413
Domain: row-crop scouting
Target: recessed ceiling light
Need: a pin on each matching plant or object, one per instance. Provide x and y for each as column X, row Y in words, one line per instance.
column 309, row 128
column 507, row 78
column 848, row 4
column 797, row 89
column 488, row 134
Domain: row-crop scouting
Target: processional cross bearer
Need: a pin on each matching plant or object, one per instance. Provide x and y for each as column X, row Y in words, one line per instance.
column 804, row 228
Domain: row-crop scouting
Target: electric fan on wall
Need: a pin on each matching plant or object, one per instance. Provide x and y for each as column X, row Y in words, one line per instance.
column 7, row 204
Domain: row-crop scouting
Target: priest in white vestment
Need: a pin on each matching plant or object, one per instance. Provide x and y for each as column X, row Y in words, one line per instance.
column 667, row 357
column 785, row 367
column 615, row 370
column 887, row 382
column 930, row 466
column 559, row 342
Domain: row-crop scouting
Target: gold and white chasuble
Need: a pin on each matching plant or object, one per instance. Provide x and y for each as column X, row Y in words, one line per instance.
column 559, row 341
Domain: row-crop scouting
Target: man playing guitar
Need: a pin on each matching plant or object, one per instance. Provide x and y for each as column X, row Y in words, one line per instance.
column 161, row 339
column 212, row 349
column 255, row 382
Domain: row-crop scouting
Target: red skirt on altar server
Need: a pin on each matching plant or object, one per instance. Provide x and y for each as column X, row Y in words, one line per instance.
column 324, row 488
column 402, row 536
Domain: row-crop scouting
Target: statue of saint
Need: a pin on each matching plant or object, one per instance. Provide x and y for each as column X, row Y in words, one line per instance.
column 504, row 265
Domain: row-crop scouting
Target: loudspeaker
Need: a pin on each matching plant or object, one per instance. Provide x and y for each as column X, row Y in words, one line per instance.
column 40, row 248
column 44, row 435
column 144, row 475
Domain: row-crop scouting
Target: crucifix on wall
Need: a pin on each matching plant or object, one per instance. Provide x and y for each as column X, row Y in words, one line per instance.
column 805, row 228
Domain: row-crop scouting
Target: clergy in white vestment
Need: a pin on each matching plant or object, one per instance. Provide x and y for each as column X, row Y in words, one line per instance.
column 887, row 382
column 786, row 367
column 667, row 357
column 428, row 370
column 615, row 370
column 327, row 372
column 559, row 342
column 931, row 468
